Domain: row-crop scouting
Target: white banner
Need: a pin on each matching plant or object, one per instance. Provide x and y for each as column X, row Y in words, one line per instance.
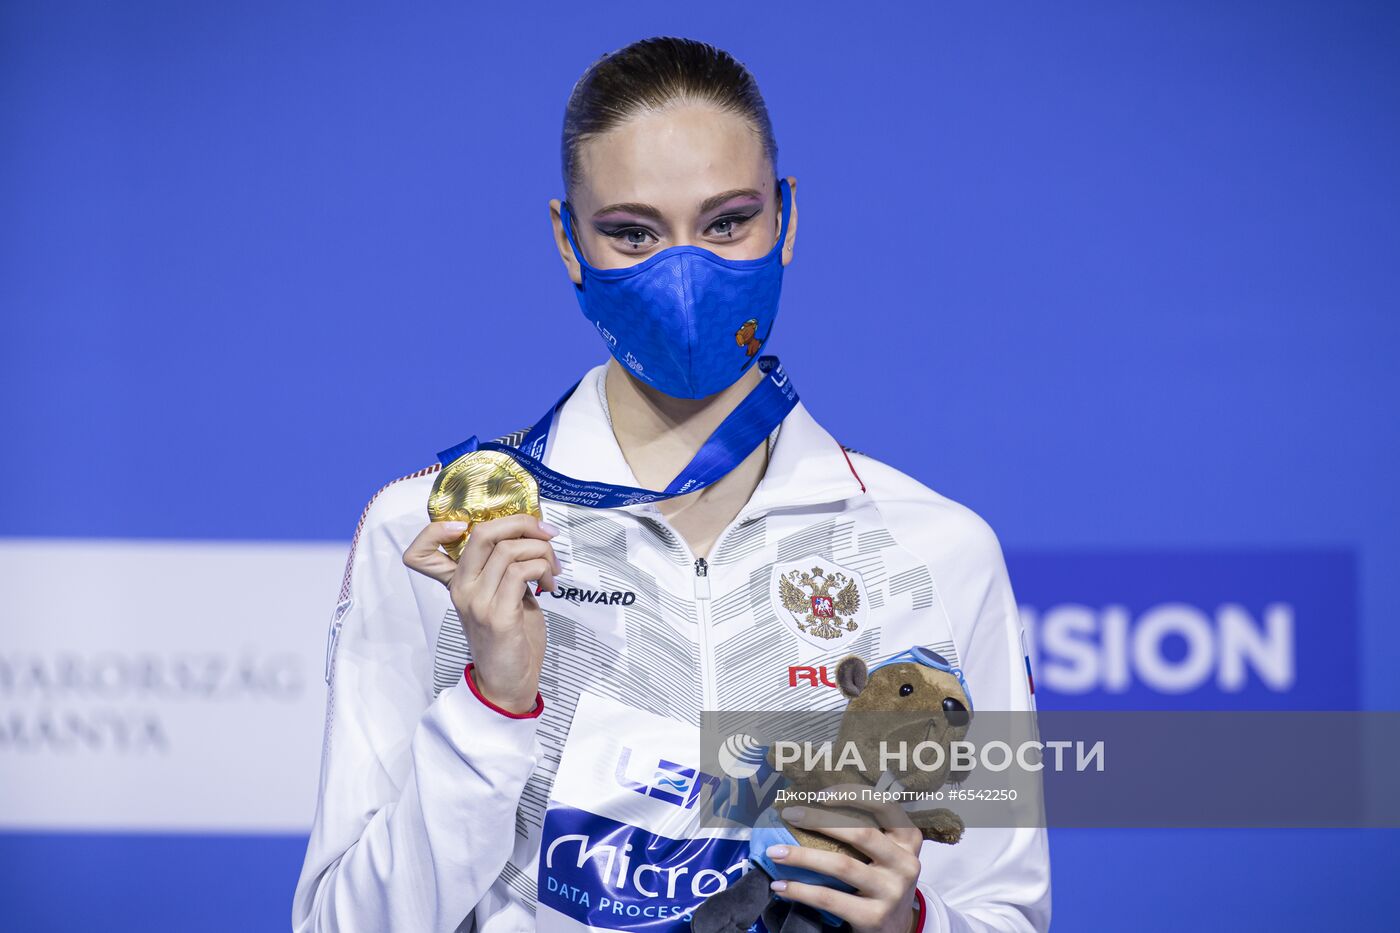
column 162, row 685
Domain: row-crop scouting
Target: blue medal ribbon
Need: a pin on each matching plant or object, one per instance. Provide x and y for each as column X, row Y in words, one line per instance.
column 752, row 420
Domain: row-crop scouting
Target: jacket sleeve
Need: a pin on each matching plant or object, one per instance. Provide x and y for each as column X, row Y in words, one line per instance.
column 415, row 815
column 995, row 878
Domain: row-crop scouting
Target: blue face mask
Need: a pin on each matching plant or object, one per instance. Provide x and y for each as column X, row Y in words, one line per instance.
column 686, row 321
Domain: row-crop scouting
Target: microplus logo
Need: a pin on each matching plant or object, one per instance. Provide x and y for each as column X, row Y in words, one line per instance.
column 1267, row 629
column 613, row 876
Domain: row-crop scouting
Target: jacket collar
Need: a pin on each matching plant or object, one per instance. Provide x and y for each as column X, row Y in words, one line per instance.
column 806, row 466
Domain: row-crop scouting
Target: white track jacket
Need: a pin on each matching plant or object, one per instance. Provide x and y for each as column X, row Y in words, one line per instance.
column 438, row 812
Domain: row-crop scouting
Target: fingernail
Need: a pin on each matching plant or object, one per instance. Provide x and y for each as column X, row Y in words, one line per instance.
column 777, row 851
column 778, row 886
column 455, row 526
column 794, row 814
column 558, row 567
column 548, row 529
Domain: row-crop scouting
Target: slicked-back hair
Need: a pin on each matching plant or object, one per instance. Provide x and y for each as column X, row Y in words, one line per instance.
column 649, row 75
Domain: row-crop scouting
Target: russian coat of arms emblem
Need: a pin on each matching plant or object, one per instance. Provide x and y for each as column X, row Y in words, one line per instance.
column 822, row 602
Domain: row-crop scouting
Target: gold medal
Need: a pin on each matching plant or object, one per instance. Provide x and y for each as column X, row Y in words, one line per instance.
column 479, row 486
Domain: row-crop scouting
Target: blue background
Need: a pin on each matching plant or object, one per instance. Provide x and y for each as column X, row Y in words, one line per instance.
column 1114, row 275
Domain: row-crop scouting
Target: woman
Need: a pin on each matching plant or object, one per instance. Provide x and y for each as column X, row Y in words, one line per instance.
column 537, row 786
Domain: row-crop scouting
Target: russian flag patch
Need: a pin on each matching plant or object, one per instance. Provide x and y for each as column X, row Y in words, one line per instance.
column 1025, row 653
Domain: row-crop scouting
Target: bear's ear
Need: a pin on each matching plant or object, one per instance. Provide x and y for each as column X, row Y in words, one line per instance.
column 851, row 676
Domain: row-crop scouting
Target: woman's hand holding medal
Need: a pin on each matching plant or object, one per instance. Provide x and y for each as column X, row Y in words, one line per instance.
column 507, row 547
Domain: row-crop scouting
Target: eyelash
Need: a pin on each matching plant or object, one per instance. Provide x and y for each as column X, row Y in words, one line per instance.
column 735, row 219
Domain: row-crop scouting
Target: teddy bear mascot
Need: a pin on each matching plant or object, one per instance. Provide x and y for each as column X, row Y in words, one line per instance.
column 912, row 698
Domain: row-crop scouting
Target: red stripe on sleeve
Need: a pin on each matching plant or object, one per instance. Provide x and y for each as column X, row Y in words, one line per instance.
column 539, row 700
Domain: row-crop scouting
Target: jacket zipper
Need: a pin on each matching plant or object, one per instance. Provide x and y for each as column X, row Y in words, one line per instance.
column 708, row 689
column 702, row 609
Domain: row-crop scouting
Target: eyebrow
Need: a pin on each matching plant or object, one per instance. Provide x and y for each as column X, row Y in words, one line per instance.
column 707, row 205
column 710, row 204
